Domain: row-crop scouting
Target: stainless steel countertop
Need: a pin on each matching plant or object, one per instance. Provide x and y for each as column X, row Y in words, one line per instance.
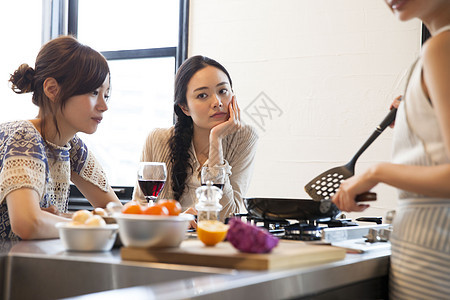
column 205, row 282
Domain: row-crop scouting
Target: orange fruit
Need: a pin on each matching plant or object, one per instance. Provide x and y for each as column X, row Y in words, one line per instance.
column 132, row 207
column 156, row 210
column 173, row 206
column 211, row 232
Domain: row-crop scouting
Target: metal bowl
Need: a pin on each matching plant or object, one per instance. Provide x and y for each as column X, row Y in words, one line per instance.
column 87, row 238
column 151, row 231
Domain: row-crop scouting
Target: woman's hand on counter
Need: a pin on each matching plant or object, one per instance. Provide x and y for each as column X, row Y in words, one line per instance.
column 51, row 209
column 191, row 211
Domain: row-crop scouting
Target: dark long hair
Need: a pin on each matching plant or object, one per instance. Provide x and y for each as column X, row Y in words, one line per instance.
column 181, row 140
column 77, row 68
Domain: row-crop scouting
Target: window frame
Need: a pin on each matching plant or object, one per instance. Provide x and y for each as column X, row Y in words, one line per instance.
column 179, row 52
column 57, row 12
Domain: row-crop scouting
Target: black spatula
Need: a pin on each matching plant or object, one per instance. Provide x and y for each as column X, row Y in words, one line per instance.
column 324, row 186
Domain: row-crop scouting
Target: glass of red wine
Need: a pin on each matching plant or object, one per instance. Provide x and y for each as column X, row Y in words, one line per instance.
column 215, row 174
column 151, row 179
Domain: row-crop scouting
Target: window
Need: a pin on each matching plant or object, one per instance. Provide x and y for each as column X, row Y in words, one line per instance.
column 144, row 42
column 20, row 44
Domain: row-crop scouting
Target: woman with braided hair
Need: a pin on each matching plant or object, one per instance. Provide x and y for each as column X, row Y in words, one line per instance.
column 208, row 132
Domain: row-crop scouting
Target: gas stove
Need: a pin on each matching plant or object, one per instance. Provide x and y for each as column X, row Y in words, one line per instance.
column 355, row 236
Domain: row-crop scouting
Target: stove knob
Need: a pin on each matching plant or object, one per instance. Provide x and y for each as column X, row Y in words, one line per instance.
column 372, row 236
column 384, row 234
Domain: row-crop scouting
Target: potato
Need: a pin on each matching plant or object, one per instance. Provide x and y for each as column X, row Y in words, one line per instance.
column 95, row 220
column 100, row 211
column 75, row 223
column 81, row 216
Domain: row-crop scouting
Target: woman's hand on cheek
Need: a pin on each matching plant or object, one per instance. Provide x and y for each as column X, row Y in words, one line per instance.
column 232, row 124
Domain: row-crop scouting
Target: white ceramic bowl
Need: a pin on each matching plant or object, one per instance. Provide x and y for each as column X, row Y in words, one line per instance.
column 87, row 238
column 151, row 231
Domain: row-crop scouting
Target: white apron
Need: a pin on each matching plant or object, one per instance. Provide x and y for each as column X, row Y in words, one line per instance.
column 420, row 261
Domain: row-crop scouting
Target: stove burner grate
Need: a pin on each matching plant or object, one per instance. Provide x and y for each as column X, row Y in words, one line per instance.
column 300, row 230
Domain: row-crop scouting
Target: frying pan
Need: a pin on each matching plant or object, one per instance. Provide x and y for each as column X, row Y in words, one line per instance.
column 284, row 208
column 299, row 209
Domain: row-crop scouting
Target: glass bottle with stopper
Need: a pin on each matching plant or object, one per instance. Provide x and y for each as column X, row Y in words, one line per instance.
column 208, row 206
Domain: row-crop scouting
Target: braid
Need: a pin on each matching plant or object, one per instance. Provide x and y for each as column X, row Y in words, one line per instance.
column 180, row 143
column 181, row 140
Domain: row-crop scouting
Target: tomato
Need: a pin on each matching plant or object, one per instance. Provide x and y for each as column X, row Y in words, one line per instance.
column 156, row 210
column 132, row 207
column 173, row 206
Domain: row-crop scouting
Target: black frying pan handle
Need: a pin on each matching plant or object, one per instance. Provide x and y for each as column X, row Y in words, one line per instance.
column 378, row 220
column 367, row 196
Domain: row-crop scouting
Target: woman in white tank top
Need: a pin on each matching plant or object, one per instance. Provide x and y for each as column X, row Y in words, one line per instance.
column 420, row 261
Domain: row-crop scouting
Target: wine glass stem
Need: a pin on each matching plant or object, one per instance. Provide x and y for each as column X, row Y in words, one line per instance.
column 143, row 203
column 151, row 200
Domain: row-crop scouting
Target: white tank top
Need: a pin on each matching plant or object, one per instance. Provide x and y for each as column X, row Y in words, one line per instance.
column 417, row 138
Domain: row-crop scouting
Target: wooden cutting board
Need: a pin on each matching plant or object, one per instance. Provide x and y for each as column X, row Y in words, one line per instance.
column 287, row 254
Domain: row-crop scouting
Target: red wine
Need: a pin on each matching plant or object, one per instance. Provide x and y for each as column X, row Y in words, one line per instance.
column 151, row 187
column 219, row 185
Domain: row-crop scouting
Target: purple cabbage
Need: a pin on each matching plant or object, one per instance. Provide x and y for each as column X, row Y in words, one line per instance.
column 250, row 238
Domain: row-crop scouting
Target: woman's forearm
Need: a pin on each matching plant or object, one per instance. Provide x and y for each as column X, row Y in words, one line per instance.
column 44, row 226
column 231, row 203
column 96, row 196
column 215, row 152
column 28, row 220
column 432, row 181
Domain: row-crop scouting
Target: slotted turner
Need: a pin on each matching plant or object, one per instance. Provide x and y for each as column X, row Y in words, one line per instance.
column 324, row 186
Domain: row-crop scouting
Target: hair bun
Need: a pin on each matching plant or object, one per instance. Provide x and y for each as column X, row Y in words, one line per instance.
column 22, row 80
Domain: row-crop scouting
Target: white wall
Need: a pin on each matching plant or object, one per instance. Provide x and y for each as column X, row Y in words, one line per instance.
column 331, row 67
column 20, row 37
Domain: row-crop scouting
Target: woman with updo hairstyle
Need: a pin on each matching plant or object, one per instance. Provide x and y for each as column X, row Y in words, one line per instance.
column 39, row 157
column 208, row 132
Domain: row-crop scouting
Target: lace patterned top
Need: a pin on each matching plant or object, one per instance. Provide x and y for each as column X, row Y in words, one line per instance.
column 26, row 160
